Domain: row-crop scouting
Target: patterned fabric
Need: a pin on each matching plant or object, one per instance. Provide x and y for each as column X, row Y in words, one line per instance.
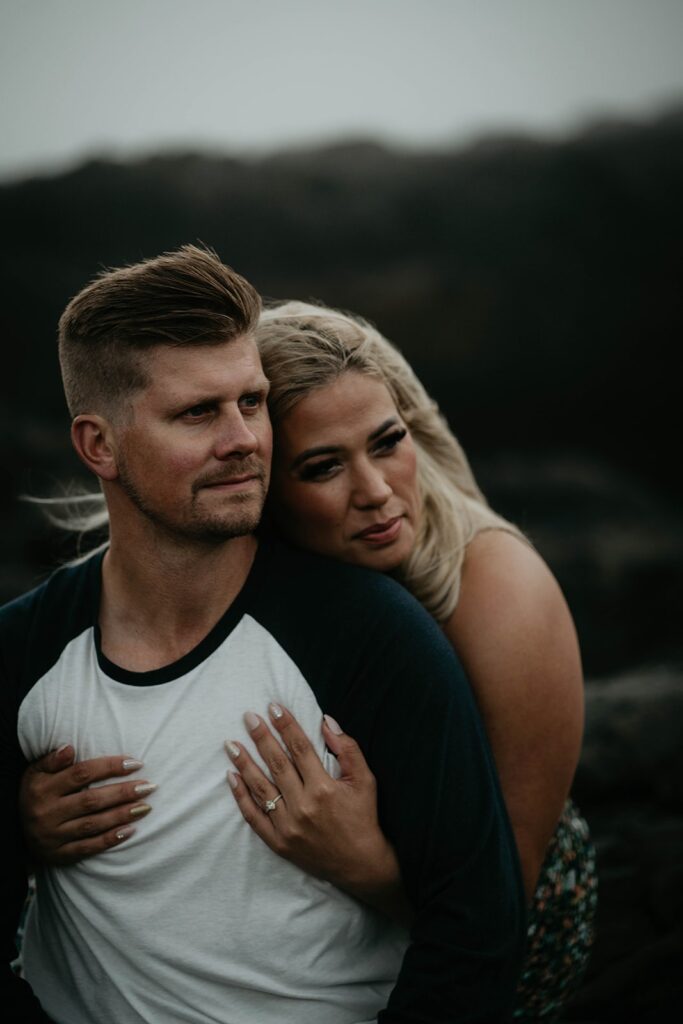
column 561, row 922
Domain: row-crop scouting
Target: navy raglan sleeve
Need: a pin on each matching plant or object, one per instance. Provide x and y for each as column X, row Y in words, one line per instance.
column 16, row 998
column 412, row 710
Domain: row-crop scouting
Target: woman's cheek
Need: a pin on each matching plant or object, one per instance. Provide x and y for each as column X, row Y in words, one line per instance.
column 324, row 512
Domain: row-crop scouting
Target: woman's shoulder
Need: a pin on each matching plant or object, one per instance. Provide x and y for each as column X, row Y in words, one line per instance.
column 499, row 565
column 516, row 638
column 507, row 592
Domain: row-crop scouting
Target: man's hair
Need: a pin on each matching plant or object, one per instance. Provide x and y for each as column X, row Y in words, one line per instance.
column 185, row 297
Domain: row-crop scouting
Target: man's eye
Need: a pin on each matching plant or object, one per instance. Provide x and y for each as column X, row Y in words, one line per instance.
column 390, row 441
column 196, row 412
column 251, row 401
column 318, row 470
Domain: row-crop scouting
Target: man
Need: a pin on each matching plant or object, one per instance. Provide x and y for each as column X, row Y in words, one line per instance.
column 159, row 647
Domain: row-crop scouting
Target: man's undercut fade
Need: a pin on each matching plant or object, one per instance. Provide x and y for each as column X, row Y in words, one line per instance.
column 186, row 297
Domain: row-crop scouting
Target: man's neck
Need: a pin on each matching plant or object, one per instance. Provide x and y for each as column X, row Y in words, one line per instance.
column 159, row 601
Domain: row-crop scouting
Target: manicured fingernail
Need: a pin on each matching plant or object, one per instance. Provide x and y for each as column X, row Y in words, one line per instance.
column 139, row 810
column 131, row 764
column 333, row 726
column 125, row 832
column 275, row 711
column 144, row 788
column 232, row 779
column 231, row 749
column 64, row 746
column 251, row 721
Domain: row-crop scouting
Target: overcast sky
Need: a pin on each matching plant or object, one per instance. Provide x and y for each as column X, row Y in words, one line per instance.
column 83, row 76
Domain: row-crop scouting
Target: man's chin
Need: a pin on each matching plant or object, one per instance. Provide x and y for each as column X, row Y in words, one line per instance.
column 217, row 529
column 241, row 518
column 199, row 522
column 218, row 534
column 206, row 529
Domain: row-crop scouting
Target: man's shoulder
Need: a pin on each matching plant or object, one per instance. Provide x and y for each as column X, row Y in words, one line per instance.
column 325, row 583
column 317, row 603
column 359, row 638
column 35, row 626
column 61, row 585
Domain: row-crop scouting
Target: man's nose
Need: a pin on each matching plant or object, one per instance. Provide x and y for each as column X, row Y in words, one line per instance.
column 235, row 438
column 370, row 487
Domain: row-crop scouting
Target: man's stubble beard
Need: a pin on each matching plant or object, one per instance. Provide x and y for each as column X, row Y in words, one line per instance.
column 198, row 526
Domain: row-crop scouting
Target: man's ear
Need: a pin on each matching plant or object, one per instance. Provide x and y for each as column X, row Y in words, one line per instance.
column 93, row 438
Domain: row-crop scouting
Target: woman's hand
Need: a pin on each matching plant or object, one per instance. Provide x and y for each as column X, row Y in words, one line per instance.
column 328, row 827
column 64, row 820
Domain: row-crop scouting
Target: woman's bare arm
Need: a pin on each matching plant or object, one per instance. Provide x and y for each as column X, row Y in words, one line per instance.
column 66, row 819
column 516, row 639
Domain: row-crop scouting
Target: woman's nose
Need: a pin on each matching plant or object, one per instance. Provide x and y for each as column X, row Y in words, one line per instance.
column 370, row 488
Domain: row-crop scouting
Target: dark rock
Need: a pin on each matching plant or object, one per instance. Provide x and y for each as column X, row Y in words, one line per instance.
column 633, row 745
column 645, row 987
column 630, row 786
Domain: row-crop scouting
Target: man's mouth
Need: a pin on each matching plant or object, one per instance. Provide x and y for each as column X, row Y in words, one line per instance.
column 234, row 482
column 230, row 481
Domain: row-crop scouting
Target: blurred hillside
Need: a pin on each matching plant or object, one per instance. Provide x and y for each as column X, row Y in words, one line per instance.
column 534, row 286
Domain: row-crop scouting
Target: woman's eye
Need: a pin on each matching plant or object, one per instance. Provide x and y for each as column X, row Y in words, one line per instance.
column 390, row 441
column 318, row 470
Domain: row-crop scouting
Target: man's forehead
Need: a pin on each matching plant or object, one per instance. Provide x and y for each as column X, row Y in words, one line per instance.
column 234, row 363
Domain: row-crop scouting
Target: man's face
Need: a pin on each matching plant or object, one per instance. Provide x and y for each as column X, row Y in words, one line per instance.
column 194, row 457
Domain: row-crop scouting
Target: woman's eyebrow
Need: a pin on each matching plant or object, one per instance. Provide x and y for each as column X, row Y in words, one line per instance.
column 380, row 430
column 310, row 452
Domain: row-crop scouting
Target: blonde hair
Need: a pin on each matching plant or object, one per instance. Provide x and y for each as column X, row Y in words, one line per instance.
column 304, row 347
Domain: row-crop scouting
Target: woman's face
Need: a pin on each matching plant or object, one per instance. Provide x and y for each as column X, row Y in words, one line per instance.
column 345, row 475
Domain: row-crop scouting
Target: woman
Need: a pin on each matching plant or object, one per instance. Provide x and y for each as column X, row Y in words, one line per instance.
column 367, row 471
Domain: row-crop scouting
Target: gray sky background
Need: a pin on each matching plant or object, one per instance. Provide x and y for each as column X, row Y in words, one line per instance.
column 80, row 77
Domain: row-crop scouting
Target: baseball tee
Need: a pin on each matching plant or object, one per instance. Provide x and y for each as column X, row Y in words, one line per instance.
column 194, row 919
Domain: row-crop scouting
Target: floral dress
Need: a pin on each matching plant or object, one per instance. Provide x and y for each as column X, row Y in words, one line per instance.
column 561, row 922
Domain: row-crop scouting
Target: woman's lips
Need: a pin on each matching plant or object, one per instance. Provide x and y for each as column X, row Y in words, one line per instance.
column 381, row 533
